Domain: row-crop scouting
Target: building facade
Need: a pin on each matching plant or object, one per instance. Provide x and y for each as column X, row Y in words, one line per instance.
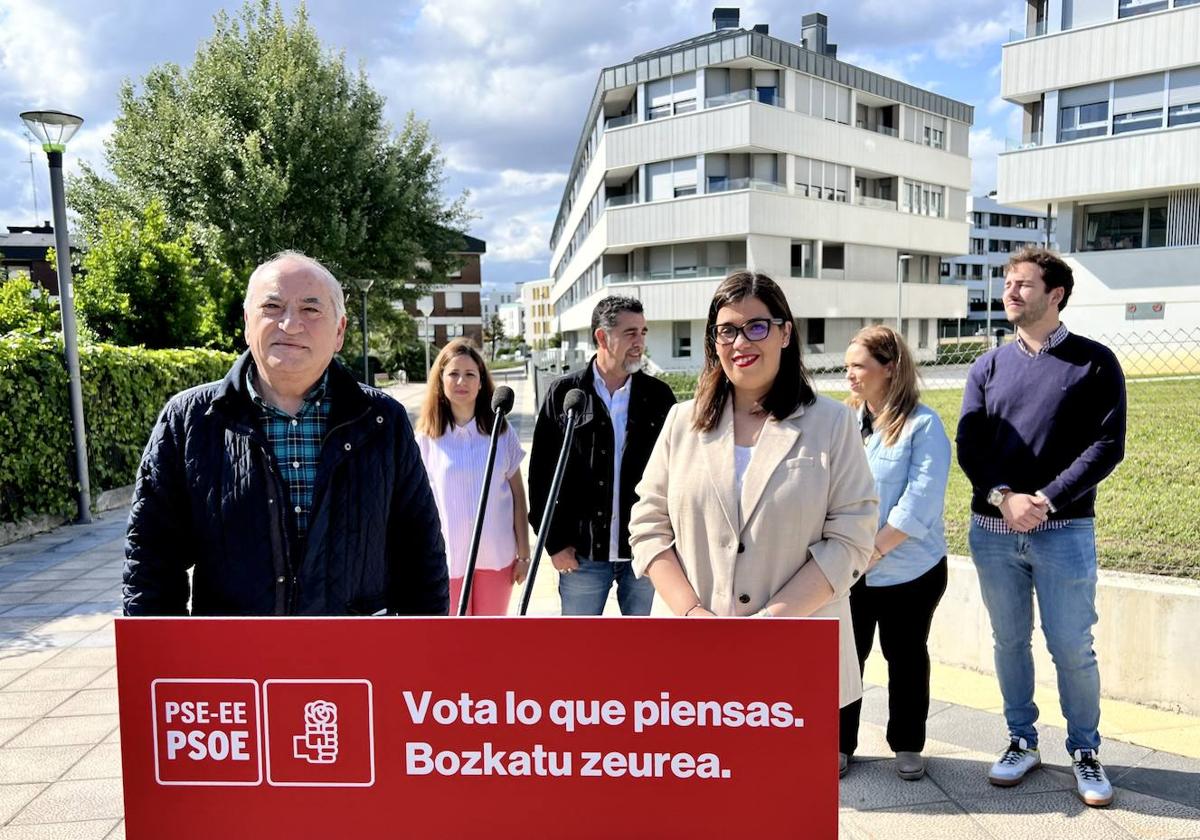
column 454, row 308
column 1110, row 91
column 23, row 251
column 736, row 150
column 997, row 232
column 537, row 312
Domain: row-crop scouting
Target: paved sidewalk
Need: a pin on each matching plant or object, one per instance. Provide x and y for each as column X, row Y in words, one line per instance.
column 59, row 743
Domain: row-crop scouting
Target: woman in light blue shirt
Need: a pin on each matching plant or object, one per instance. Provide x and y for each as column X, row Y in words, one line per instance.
column 909, row 455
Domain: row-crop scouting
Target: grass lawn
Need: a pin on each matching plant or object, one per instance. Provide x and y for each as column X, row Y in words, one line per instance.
column 1148, row 511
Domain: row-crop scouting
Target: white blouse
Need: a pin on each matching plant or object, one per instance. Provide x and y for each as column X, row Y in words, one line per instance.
column 455, row 463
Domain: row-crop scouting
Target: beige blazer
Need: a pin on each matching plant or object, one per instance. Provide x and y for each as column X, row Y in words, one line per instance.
column 808, row 491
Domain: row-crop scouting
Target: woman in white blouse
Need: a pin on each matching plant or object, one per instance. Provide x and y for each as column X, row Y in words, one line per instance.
column 453, row 435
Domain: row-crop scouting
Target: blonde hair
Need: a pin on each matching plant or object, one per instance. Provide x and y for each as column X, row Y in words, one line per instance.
column 436, row 413
column 887, row 346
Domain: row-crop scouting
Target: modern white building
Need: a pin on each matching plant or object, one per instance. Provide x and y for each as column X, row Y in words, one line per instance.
column 1111, row 144
column 997, row 232
column 537, row 312
column 736, row 149
column 511, row 319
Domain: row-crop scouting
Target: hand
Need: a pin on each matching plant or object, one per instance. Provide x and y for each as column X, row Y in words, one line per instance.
column 1023, row 512
column 564, row 561
column 700, row 612
column 876, row 556
column 520, row 569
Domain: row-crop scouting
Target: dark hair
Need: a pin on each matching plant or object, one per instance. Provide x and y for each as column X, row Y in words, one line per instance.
column 604, row 316
column 1056, row 274
column 436, row 413
column 791, row 387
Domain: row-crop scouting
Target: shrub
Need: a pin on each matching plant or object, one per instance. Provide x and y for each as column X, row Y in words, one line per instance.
column 124, row 389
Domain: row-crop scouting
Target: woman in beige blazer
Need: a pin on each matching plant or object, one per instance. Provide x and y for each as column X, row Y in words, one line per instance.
column 757, row 499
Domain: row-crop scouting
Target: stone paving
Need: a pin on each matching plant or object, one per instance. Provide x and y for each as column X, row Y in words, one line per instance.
column 60, row 760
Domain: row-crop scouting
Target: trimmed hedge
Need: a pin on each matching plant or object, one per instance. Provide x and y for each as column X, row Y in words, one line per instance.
column 124, row 389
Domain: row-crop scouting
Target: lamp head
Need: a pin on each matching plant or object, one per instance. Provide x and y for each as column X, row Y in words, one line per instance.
column 53, row 128
column 364, row 283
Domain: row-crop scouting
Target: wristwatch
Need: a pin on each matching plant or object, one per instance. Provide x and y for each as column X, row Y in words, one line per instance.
column 995, row 496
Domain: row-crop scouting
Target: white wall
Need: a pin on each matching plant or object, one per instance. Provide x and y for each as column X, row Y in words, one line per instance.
column 1107, row 281
column 1129, row 47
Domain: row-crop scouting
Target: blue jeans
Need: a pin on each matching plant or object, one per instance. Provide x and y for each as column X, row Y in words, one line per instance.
column 1060, row 566
column 584, row 591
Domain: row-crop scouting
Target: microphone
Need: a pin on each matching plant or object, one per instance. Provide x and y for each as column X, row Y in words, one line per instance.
column 572, row 405
column 502, row 400
column 502, row 403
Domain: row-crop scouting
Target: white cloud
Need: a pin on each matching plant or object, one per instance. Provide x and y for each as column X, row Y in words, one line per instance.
column 985, row 146
column 966, row 41
column 520, row 238
column 42, row 57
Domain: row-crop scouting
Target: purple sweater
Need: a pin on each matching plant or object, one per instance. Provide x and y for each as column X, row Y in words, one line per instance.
column 1054, row 423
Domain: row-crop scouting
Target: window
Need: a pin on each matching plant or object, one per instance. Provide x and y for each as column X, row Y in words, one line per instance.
column 976, row 246
column 802, row 259
column 924, row 128
column 1132, row 224
column 818, row 179
column 815, row 328
column 833, row 257
column 766, row 86
column 671, row 179
column 1183, row 98
column 681, row 339
column 1138, row 103
column 923, row 341
column 1083, row 112
column 673, row 95
column 823, row 100
column 923, row 199
column 945, row 271
column 1129, row 8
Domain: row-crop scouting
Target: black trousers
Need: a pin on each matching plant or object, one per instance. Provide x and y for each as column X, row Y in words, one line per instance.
column 903, row 614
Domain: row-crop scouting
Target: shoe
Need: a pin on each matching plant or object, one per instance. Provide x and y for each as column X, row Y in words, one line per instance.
column 1017, row 760
column 843, row 764
column 1090, row 779
column 910, row 765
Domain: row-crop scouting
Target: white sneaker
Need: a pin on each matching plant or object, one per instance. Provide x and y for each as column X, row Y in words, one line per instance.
column 1090, row 779
column 1016, row 761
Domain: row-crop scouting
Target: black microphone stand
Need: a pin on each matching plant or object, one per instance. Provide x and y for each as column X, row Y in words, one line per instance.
column 571, row 404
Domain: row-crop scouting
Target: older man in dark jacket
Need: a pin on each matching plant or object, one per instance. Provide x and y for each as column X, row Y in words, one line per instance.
column 287, row 488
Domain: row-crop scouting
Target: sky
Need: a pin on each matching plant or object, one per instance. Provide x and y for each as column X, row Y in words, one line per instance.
column 505, row 86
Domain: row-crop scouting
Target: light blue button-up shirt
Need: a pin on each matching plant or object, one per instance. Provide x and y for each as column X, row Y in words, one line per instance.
column 910, row 478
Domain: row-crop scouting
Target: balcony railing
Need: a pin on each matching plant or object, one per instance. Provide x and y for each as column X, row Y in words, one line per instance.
column 878, row 203
column 702, row 272
column 1031, row 30
column 617, row 122
column 719, row 185
column 621, row 200
column 1029, row 141
column 880, row 129
column 747, row 95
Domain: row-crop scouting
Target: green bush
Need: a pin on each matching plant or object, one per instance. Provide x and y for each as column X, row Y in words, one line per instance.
column 124, row 389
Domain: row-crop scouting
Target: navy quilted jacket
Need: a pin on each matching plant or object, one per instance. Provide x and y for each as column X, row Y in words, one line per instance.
column 209, row 498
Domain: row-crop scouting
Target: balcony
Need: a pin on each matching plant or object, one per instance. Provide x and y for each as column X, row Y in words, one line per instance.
column 1029, row 141
column 621, row 200
column 747, row 95
column 878, row 129
column 1031, row 30
column 720, row 185
column 703, row 272
column 877, row 203
column 617, row 122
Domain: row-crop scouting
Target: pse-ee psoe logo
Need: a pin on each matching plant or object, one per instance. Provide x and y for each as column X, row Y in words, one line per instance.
column 306, row 733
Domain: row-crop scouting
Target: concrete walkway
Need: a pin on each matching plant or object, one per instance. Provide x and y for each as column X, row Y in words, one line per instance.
column 59, row 743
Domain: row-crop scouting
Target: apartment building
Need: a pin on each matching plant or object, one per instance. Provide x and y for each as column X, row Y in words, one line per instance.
column 736, row 149
column 1110, row 91
column 454, row 308
column 537, row 312
column 997, row 232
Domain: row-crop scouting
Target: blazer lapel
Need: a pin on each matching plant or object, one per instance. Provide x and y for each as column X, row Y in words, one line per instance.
column 717, row 446
column 775, row 441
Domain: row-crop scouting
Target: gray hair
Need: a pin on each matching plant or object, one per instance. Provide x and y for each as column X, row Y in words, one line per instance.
column 335, row 288
column 608, row 310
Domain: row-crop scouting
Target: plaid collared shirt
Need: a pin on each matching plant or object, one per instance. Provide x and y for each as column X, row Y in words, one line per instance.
column 996, row 524
column 296, row 442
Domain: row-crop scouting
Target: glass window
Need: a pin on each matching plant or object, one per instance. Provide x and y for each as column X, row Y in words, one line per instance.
column 454, row 300
column 1079, row 121
column 1137, row 121
column 816, row 331
column 802, row 259
column 1129, row 8
column 833, row 256
column 1113, row 229
column 681, row 339
column 1157, row 224
column 1184, row 114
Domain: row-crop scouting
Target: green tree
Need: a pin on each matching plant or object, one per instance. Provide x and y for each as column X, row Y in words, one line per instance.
column 140, row 286
column 268, row 142
column 493, row 331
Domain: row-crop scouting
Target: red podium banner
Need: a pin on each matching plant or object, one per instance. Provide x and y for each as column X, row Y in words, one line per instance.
column 497, row 727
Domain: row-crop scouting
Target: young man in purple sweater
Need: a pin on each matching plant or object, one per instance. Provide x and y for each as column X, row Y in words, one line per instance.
column 1043, row 423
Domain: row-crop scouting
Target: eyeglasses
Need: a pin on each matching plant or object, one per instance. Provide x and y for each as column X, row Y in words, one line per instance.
column 756, row 329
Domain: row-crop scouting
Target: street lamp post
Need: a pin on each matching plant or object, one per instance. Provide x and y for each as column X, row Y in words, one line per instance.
column 364, row 285
column 900, row 290
column 428, row 338
column 54, row 129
